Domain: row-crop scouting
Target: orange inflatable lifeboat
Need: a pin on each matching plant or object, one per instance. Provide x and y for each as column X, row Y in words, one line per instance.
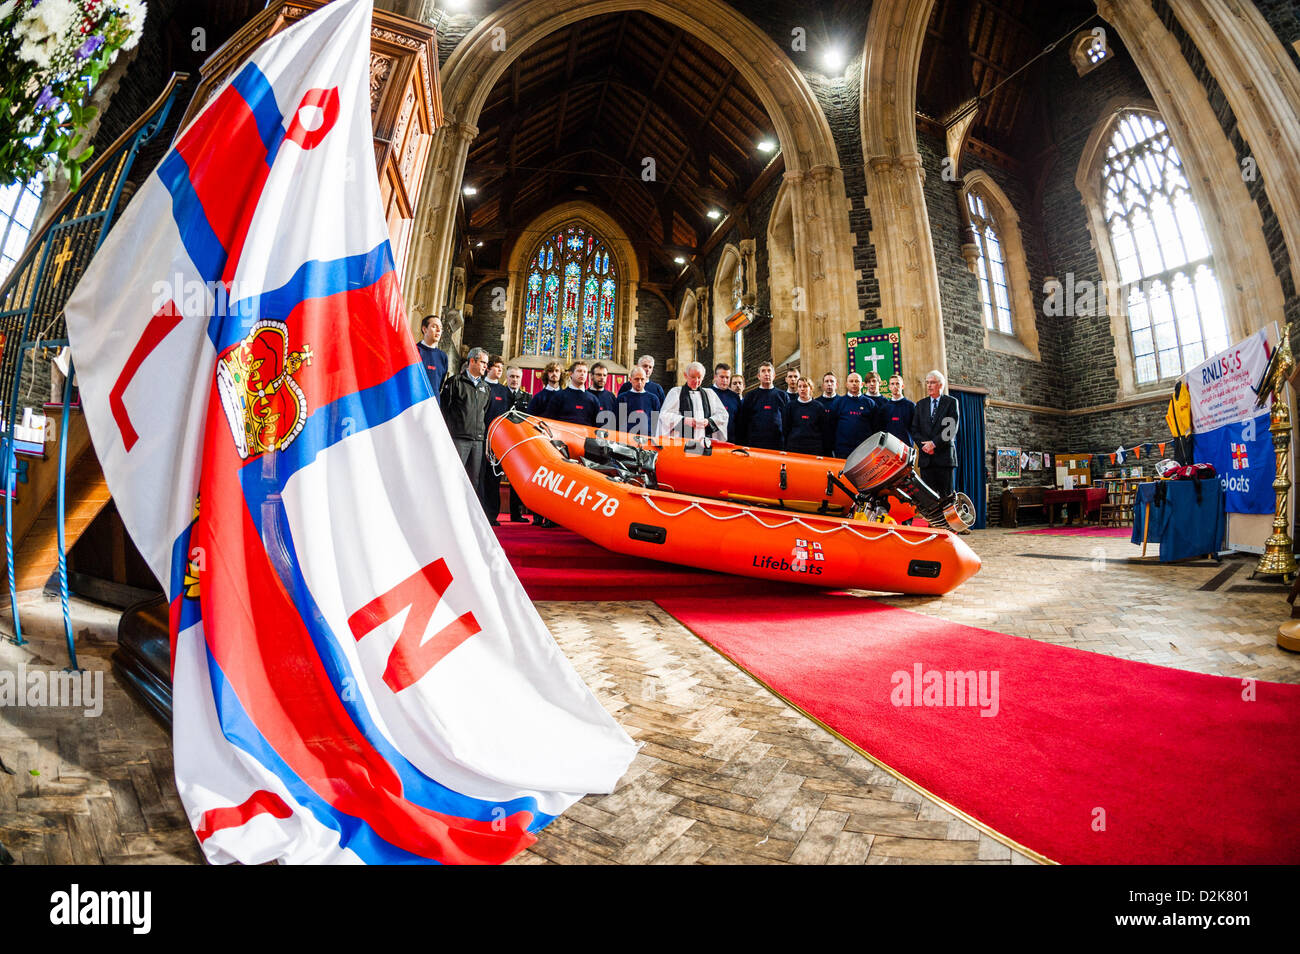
column 610, row 495
column 882, row 466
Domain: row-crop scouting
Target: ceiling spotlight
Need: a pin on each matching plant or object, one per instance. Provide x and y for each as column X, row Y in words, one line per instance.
column 478, row 244
column 469, row 190
column 766, row 145
column 714, row 214
column 834, row 59
column 679, row 260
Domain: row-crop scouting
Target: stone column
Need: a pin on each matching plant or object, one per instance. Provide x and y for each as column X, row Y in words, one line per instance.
column 905, row 263
column 748, row 271
column 427, row 276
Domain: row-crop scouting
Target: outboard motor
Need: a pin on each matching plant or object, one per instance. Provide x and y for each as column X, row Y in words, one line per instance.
column 882, row 465
column 621, row 461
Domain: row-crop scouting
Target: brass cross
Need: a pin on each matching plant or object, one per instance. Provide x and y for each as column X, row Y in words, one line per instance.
column 62, row 258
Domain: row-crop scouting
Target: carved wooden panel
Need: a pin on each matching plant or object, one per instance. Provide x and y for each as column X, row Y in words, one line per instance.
column 405, row 99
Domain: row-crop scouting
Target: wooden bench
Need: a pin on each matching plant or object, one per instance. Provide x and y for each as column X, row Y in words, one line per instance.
column 1015, row 499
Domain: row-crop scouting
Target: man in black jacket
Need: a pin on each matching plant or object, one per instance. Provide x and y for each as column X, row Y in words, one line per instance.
column 934, row 428
column 464, row 404
column 519, row 399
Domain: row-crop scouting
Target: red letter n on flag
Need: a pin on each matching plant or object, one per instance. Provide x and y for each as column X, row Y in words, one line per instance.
column 411, row 657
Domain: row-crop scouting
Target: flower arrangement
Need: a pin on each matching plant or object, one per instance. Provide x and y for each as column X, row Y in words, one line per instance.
column 52, row 52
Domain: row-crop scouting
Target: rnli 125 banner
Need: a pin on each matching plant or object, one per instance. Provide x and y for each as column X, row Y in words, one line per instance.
column 359, row 676
column 1231, row 432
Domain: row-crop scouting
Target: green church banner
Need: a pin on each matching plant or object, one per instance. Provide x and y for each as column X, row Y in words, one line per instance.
column 878, row 349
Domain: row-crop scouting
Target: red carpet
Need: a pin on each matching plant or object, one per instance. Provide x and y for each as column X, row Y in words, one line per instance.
column 1084, row 531
column 1089, row 759
column 558, row 564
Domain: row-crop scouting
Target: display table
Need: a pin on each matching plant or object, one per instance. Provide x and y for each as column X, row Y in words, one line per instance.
column 1185, row 524
column 1089, row 500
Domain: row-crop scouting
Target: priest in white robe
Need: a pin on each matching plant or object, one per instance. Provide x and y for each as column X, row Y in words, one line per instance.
column 691, row 411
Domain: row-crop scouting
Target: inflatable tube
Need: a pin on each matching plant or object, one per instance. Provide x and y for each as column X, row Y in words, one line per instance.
column 719, row 535
column 784, row 480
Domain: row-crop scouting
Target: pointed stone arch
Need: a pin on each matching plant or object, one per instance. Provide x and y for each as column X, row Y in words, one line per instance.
column 1251, row 290
column 724, row 277
column 688, row 325
column 823, row 241
column 1235, row 248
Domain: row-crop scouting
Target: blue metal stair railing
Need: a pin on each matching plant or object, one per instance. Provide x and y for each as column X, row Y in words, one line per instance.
column 31, row 312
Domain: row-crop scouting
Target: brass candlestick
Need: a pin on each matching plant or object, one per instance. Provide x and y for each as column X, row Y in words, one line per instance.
column 1279, row 555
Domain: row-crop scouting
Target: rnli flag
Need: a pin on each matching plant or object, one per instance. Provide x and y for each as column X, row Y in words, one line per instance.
column 359, row 676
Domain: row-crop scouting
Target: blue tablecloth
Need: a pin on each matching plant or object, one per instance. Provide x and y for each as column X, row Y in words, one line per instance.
column 1183, row 525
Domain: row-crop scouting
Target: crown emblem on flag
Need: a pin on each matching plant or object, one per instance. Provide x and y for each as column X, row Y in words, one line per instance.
column 1239, row 459
column 264, row 406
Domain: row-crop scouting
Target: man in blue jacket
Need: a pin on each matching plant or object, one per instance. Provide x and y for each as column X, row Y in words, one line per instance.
column 729, row 398
column 433, row 358
column 762, row 413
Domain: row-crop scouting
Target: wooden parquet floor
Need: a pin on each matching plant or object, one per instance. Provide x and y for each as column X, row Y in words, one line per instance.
column 727, row 773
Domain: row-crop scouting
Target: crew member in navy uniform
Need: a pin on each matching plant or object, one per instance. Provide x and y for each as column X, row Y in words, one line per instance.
column 638, row 409
column 828, row 395
column 647, row 364
column 432, row 357
column 464, row 405
column 691, row 411
column 574, row 404
column 896, row 417
column 934, row 428
column 540, row 405
column 853, row 418
column 805, row 422
column 762, row 413
column 498, row 404
column 605, row 416
column 792, row 377
column 729, row 398
column 519, row 399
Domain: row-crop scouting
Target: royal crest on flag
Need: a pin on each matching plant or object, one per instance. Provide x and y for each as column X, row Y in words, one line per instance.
column 1240, row 460
column 358, row 674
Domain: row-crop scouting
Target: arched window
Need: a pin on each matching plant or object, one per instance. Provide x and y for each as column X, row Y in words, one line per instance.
column 18, row 205
column 1162, row 254
column 991, row 266
column 570, row 297
column 997, row 260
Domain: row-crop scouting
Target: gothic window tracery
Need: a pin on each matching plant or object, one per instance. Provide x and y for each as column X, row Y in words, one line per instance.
column 991, row 266
column 1166, row 266
column 571, row 297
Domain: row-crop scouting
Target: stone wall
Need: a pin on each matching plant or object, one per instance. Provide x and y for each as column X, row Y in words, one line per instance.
column 653, row 337
column 1075, row 104
column 840, row 99
column 1284, row 18
column 485, row 326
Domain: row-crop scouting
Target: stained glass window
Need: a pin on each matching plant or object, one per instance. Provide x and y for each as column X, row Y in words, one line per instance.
column 1166, row 266
column 570, row 297
column 995, row 295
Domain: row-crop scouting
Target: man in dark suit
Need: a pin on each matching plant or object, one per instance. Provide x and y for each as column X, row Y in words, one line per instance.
column 519, row 399
column 934, row 428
